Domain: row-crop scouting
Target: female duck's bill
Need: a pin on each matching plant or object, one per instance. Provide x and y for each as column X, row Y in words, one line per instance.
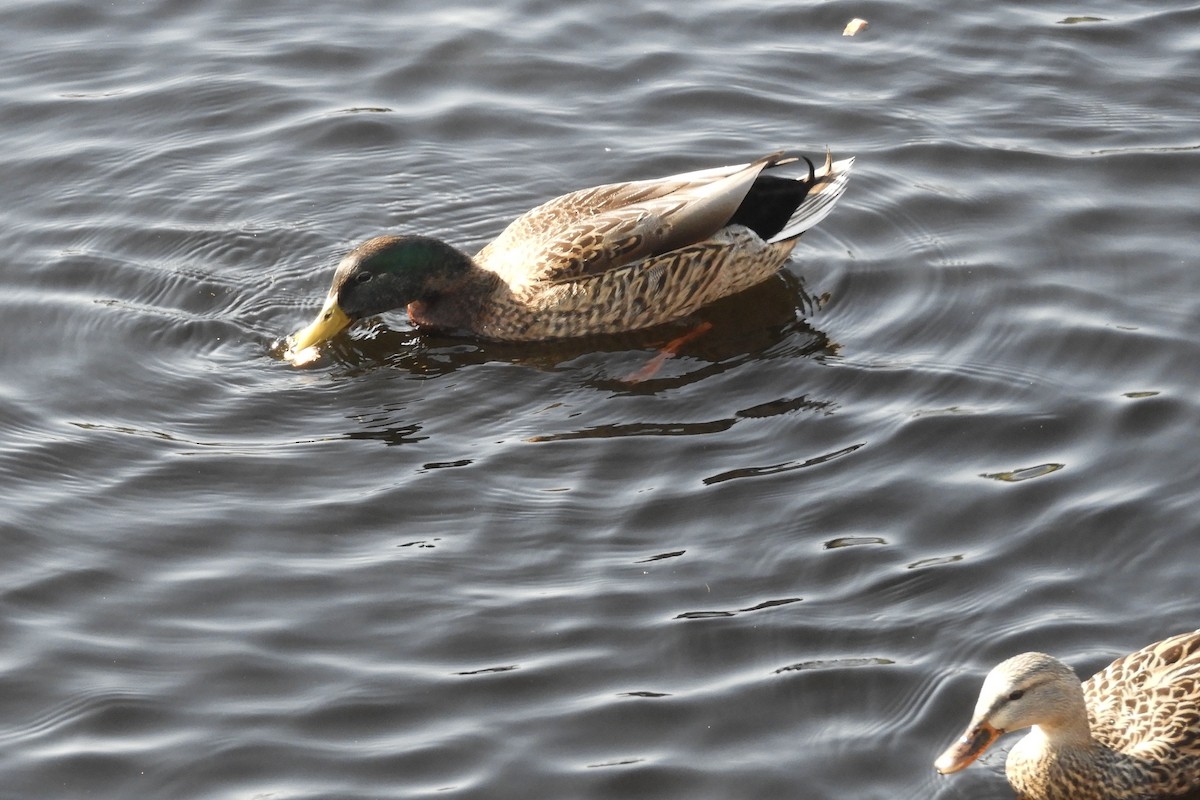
column 977, row 738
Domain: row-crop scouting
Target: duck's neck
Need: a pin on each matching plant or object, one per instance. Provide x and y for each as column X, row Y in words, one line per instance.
column 1069, row 726
column 1074, row 738
column 1051, row 757
column 457, row 305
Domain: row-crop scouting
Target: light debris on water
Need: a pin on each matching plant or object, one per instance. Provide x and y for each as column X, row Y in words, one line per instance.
column 854, row 26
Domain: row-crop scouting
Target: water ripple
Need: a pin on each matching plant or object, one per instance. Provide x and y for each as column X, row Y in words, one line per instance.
column 429, row 564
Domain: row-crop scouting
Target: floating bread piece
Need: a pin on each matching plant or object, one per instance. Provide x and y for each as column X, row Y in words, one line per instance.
column 301, row 358
column 854, row 26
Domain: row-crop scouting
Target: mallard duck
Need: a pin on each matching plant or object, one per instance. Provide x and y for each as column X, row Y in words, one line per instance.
column 610, row 259
column 1132, row 730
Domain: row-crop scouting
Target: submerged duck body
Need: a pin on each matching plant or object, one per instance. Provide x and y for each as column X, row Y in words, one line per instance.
column 1130, row 732
column 609, row 259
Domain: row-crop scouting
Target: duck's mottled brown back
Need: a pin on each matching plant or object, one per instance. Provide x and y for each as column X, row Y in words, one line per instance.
column 637, row 295
column 1148, row 703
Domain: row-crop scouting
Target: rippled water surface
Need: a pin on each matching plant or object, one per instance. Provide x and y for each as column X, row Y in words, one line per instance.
column 962, row 423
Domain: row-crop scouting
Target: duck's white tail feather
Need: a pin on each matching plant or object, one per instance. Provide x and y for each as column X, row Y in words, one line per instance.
column 830, row 184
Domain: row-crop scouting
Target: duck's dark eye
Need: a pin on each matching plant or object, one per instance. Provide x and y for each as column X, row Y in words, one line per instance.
column 1017, row 694
column 362, row 277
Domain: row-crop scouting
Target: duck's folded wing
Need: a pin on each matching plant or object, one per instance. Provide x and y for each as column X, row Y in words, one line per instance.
column 591, row 231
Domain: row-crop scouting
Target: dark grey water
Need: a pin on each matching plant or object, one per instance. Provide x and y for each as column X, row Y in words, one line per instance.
column 963, row 423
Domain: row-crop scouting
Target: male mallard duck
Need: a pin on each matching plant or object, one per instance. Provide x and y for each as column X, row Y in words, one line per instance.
column 1132, row 730
column 610, row 259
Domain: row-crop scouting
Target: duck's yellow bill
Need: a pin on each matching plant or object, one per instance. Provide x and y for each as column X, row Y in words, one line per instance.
column 329, row 322
column 970, row 747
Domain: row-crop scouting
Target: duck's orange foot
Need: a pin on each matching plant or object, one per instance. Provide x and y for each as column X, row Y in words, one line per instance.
column 669, row 350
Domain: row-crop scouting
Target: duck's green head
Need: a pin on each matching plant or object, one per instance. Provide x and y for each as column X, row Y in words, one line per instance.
column 382, row 274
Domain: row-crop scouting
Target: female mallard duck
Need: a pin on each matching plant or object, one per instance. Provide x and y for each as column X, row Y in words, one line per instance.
column 1132, row 730
column 610, row 259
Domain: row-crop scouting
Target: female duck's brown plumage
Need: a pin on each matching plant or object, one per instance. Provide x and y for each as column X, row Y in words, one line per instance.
column 610, row 259
column 1131, row 731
